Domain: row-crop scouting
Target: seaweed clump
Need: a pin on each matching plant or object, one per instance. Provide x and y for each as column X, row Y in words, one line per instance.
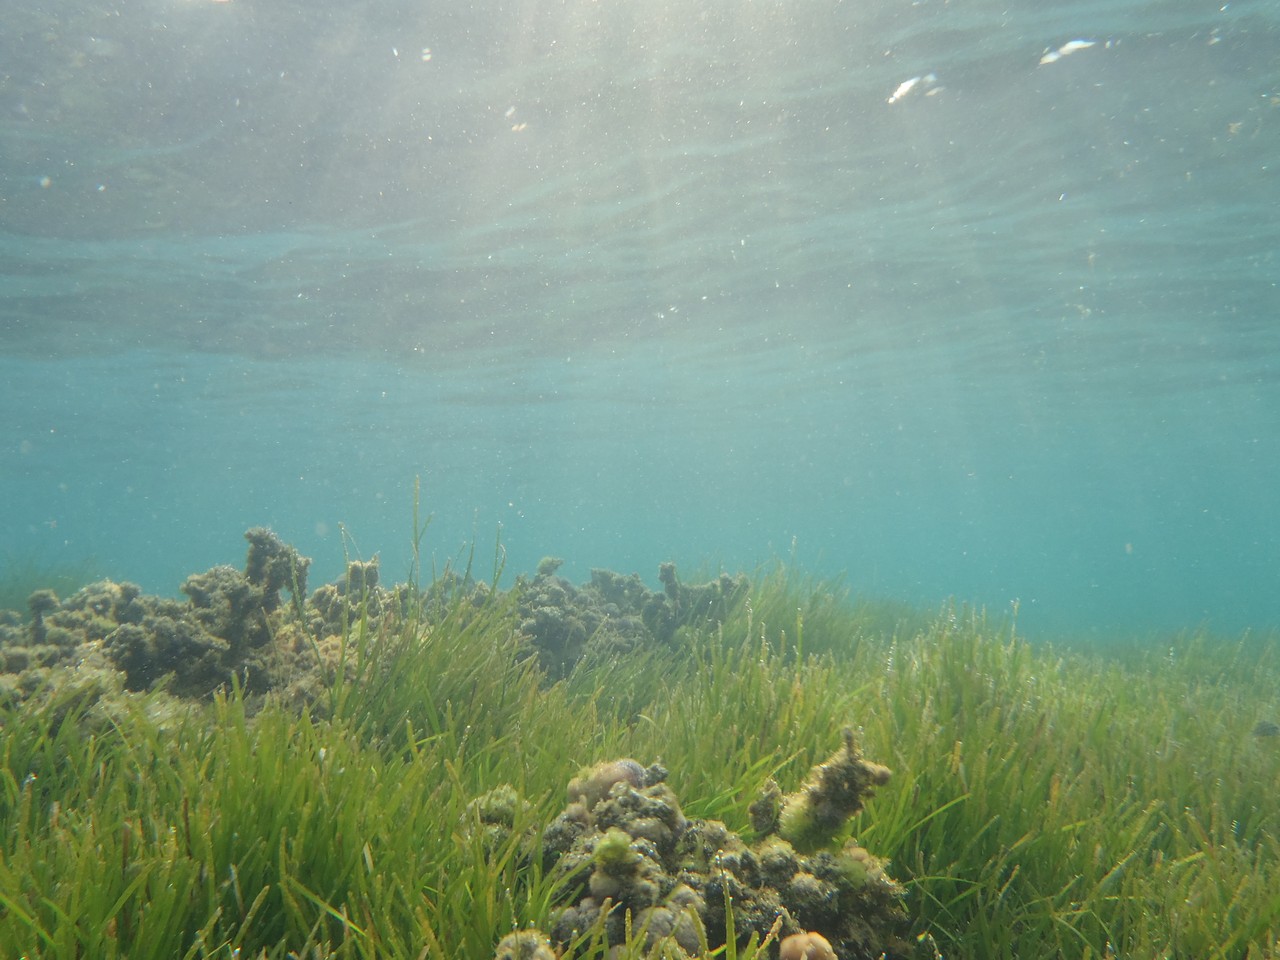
column 632, row 865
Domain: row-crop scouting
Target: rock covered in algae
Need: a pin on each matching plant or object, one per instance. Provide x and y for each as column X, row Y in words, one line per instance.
column 273, row 566
column 524, row 945
column 494, row 816
column 225, row 629
column 813, row 816
column 233, row 625
column 614, row 614
column 629, row 860
column 236, row 625
column 593, row 784
column 219, row 633
column 805, row 946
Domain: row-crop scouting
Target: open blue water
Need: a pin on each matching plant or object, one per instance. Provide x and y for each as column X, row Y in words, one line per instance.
column 642, row 280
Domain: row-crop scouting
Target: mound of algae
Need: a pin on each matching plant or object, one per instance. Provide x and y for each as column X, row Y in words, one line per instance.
column 226, row 628
column 631, row 862
column 236, row 625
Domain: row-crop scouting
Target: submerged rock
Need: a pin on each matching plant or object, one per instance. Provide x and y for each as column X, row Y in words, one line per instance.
column 614, row 614
column 235, row 625
column 628, row 859
column 226, row 629
column 524, row 945
column 811, row 817
column 806, row 946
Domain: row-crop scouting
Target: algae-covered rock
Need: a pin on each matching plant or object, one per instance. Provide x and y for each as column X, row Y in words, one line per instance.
column 233, row 626
column 226, row 629
column 629, row 859
column 682, row 604
column 236, row 625
column 614, row 614
column 813, row 816
column 524, row 945
column 494, row 815
column 272, row 566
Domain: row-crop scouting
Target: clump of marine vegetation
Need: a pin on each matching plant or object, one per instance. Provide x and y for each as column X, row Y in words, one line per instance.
column 741, row 767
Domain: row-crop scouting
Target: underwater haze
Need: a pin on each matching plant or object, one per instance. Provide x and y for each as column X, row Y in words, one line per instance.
column 949, row 299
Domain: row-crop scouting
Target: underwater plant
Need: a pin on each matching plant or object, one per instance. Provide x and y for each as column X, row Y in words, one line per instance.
column 21, row 576
column 384, row 776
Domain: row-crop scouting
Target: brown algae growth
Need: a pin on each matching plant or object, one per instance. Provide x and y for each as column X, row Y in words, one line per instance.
column 633, row 868
column 235, row 625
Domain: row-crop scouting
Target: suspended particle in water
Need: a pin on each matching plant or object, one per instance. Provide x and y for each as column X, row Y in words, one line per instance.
column 1068, row 48
column 926, row 84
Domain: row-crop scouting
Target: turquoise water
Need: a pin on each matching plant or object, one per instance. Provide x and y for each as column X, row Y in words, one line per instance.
column 630, row 282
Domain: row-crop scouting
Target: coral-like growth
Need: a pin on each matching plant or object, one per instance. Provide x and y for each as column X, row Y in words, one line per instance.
column 273, row 565
column 237, row 626
column 494, row 815
column 234, row 624
column 226, row 628
column 682, row 604
column 40, row 603
column 813, row 817
column 630, row 860
column 613, row 613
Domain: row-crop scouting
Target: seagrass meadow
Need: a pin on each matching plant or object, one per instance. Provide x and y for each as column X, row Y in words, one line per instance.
column 1045, row 801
